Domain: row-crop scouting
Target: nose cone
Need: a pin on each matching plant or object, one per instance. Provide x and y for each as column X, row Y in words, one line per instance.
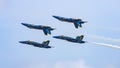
column 57, row 17
column 56, row 36
column 24, row 42
column 24, row 24
column 27, row 25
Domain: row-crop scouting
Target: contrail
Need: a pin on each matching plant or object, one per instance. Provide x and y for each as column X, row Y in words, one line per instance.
column 107, row 45
column 104, row 38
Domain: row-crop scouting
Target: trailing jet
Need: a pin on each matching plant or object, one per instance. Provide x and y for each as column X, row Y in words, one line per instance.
column 36, row 44
column 46, row 29
column 78, row 39
column 76, row 22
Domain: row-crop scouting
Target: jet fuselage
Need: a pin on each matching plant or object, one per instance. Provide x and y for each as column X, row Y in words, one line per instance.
column 36, row 44
column 37, row 26
column 46, row 29
column 69, row 39
column 76, row 22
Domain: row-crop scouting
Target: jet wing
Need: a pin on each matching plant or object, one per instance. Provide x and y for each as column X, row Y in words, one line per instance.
column 49, row 31
column 46, row 31
column 76, row 25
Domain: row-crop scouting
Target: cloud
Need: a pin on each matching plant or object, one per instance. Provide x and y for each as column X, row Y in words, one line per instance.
column 59, row 64
column 71, row 64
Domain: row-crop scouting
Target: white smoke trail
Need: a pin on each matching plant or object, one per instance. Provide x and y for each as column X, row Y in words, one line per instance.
column 107, row 45
column 104, row 38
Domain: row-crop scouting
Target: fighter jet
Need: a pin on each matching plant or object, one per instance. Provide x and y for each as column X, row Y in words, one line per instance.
column 78, row 39
column 36, row 44
column 76, row 22
column 46, row 29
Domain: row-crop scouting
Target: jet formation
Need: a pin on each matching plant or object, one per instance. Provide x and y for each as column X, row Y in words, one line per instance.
column 46, row 29
column 77, row 22
column 78, row 39
column 44, row 44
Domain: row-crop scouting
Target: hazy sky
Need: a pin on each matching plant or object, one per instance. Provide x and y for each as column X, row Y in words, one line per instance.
column 103, row 21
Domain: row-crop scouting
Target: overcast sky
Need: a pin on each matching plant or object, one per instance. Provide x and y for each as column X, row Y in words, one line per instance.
column 103, row 21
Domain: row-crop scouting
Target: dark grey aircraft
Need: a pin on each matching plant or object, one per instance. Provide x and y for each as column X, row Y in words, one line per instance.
column 76, row 22
column 78, row 39
column 36, row 44
column 46, row 29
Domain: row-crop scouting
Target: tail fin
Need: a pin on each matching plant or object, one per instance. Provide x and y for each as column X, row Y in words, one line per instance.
column 46, row 42
column 80, row 38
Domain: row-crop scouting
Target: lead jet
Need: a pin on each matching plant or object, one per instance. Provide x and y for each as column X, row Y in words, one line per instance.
column 46, row 29
column 76, row 22
column 78, row 39
column 36, row 44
